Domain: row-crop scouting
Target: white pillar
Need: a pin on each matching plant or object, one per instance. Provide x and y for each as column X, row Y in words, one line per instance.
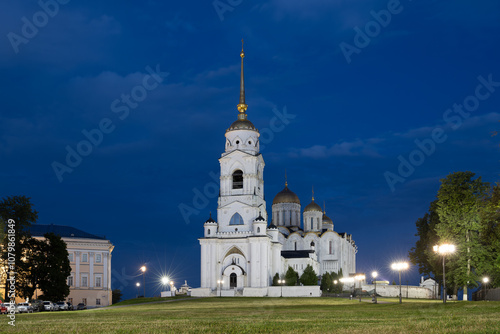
column 77, row 271
column 91, row 269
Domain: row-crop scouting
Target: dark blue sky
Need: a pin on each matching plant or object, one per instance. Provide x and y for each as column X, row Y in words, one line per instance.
column 357, row 102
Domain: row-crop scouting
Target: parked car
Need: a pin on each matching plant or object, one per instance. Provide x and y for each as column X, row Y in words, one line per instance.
column 48, row 306
column 81, row 306
column 12, row 308
column 3, row 308
column 63, row 306
column 55, row 306
column 37, row 305
column 25, row 308
column 70, row 307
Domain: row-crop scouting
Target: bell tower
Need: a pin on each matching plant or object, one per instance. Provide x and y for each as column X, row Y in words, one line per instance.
column 241, row 198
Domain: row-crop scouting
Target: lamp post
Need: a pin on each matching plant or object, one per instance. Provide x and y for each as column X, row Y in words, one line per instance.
column 443, row 250
column 374, row 275
column 485, row 282
column 143, row 269
column 281, row 282
column 138, row 285
column 220, row 282
column 171, row 288
column 400, row 266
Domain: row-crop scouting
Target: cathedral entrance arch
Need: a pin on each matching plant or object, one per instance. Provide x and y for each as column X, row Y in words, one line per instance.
column 233, row 281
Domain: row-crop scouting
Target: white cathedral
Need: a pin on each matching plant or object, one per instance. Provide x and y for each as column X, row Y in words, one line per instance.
column 240, row 251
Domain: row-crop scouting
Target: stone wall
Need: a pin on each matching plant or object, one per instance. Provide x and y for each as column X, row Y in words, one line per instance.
column 393, row 291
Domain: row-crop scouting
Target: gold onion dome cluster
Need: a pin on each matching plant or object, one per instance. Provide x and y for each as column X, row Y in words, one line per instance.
column 286, row 196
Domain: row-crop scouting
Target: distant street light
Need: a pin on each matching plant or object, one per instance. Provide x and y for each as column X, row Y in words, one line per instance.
column 220, row 282
column 143, row 269
column 281, row 282
column 399, row 266
column 374, row 275
column 138, row 285
column 360, row 278
column 485, row 282
column 443, row 250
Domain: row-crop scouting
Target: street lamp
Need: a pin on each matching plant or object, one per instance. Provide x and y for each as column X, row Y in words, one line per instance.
column 138, row 285
column 374, row 275
column 171, row 287
column 220, row 282
column 281, row 282
column 485, row 281
column 443, row 250
column 143, row 269
column 360, row 278
column 399, row 266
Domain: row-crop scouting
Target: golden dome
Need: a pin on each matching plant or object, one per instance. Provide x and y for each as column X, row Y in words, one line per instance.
column 326, row 219
column 286, row 196
column 313, row 207
column 242, row 124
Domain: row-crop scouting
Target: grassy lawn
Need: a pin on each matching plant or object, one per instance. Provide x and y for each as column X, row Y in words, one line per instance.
column 270, row 315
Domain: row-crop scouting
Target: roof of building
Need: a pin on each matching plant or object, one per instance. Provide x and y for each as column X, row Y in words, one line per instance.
column 39, row 230
column 286, row 196
column 210, row 220
column 313, row 207
column 296, row 254
column 242, row 124
column 326, row 219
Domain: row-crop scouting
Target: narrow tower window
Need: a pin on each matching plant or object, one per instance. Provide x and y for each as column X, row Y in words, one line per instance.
column 238, row 179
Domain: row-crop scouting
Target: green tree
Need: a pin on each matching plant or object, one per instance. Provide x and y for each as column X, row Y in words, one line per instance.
column 275, row 279
column 17, row 209
column 459, row 206
column 291, row 277
column 422, row 255
column 337, row 288
column 34, row 262
column 116, row 296
column 489, row 236
column 56, row 268
column 326, row 282
column 309, row 276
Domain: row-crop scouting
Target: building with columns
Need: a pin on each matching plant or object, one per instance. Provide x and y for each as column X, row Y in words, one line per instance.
column 243, row 250
column 90, row 260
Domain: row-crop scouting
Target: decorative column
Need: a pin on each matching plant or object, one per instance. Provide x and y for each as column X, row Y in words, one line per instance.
column 77, row 270
column 91, row 270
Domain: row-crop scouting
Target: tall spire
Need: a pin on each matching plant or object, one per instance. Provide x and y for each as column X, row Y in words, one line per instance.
column 286, row 179
column 242, row 107
column 313, row 193
column 324, row 207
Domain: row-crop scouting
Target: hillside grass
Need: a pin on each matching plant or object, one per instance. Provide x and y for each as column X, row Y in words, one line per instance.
column 270, row 315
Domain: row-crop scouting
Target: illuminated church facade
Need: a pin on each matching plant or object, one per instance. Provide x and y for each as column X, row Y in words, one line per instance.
column 243, row 250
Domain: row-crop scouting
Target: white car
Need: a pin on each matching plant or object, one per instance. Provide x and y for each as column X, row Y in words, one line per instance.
column 25, row 308
column 63, row 306
column 12, row 308
column 48, row 306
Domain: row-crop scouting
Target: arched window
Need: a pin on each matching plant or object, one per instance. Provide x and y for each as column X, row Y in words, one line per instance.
column 236, row 219
column 258, row 229
column 312, row 224
column 208, row 231
column 238, row 179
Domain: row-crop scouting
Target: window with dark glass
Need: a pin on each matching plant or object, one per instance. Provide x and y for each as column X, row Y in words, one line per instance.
column 236, row 219
column 238, row 179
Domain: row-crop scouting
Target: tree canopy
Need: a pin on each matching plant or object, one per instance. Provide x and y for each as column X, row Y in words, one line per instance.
column 309, row 276
column 466, row 214
column 291, row 277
